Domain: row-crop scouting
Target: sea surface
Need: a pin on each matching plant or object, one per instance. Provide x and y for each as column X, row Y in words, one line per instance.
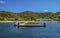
column 52, row 30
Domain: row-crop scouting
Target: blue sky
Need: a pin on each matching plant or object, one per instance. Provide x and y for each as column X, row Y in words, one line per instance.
column 32, row 5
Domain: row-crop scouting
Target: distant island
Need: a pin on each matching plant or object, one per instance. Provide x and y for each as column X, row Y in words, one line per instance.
column 27, row 15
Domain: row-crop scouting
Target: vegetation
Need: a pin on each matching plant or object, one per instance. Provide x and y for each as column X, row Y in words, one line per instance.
column 28, row 15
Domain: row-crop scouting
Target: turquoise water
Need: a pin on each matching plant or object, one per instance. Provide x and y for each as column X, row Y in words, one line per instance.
column 52, row 30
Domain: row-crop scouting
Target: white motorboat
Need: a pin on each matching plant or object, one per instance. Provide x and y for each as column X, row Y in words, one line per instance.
column 31, row 24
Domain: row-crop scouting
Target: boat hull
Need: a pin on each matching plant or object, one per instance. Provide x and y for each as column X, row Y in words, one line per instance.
column 30, row 25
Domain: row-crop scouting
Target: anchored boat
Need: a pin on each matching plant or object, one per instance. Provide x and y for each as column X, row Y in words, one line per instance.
column 30, row 24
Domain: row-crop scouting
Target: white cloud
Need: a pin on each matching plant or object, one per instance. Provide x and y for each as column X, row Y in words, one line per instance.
column 45, row 10
column 2, row 1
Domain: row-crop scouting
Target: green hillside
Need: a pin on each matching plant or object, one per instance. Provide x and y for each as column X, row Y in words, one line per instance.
column 28, row 15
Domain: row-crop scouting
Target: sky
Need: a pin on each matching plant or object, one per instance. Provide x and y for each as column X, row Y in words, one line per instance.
column 30, row 5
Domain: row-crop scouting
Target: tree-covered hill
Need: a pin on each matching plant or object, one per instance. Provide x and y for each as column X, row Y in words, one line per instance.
column 6, row 14
column 28, row 15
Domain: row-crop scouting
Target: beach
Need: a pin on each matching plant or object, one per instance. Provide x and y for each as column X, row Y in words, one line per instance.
column 29, row 21
column 17, row 21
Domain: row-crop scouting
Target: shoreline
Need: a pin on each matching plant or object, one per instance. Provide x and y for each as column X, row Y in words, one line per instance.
column 16, row 21
column 29, row 21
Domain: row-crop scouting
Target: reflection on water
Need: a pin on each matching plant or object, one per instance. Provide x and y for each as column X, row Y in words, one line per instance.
column 51, row 31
